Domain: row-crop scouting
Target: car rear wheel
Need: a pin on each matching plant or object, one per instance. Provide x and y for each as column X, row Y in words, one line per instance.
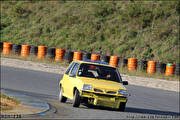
column 122, row 106
column 76, row 99
column 61, row 97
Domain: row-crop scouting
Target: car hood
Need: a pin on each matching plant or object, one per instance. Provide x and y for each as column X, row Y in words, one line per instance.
column 102, row 84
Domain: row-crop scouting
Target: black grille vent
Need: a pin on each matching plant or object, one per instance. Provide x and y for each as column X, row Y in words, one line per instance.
column 111, row 92
column 97, row 90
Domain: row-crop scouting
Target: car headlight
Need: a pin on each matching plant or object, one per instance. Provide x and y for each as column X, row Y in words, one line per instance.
column 123, row 92
column 87, row 87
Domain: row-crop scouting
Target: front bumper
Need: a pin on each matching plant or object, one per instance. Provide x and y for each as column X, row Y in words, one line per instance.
column 105, row 100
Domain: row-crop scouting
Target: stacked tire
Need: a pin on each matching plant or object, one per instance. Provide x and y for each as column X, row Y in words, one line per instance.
column 95, row 56
column 25, row 50
column 142, row 64
column 59, row 54
column 33, row 50
column 86, row 56
column 169, row 69
column 122, row 62
column 177, row 67
column 114, row 61
column 68, row 56
column 1, row 46
column 50, row 53
column 41, row 52
column 105, row 58
column 151, row 68
column 160, row 67
column 132, row 64
column 77, row 56
column 7, row 47
column 16, row 49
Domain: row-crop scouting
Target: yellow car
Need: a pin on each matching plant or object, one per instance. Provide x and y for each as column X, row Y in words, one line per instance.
column 93, row 82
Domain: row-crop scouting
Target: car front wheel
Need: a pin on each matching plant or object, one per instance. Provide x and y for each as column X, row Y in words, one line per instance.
column 76, row 99
column 122, row 106
column 61, row 97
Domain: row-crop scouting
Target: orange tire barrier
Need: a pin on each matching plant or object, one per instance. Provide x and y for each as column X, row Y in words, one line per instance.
column 132, row 64
column 77, row 56
column 113, row 61
column 7, row 48
column 95, row 57
column 169, row 69
column 151, row 67
column 41, row 52
column 25, row 50
column 59, row 54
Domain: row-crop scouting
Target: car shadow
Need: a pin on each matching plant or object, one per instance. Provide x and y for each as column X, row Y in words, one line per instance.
column 150, row 111
column 134, row 110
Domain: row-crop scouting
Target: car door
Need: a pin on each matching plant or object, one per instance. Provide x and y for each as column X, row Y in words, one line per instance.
column 65, row 79
column 71, row 81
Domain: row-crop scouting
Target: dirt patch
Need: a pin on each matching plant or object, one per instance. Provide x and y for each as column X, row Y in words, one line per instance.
column 133, row 80
column 32, row 65
column 20, row 110
column 10, row 105
column 153, row 83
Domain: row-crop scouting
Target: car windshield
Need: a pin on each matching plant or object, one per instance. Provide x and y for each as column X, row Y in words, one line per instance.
column 99, row 72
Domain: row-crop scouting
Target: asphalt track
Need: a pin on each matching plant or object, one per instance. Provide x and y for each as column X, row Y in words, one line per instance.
column 143, row 103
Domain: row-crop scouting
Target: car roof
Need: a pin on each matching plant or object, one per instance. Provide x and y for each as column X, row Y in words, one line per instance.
column 96, row 62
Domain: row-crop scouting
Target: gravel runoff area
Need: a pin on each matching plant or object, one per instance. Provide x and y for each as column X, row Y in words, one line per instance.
column 133, row 80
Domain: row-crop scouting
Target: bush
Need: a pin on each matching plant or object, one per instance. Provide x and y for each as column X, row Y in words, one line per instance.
column 120, row 28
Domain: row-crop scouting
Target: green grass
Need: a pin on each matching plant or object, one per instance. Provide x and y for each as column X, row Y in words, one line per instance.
column 145, row 30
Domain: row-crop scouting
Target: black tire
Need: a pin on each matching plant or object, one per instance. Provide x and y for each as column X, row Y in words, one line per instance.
column 160, row 67
column 50, row 53
column 61, row 97
column 16, row 49
column 33, row 50
column 76, row 99
column 177, row 69
column 1, row 46
column 86, row 56
column 68, row 56
column 105, row 58
column 122, row 62
column 122, row 106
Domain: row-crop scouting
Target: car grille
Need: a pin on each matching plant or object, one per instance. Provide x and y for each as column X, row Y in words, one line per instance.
column 97, row 90
column 110, row 92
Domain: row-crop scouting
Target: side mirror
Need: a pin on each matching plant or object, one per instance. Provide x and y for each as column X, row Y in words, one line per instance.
column 125, row 82
column 72, row 75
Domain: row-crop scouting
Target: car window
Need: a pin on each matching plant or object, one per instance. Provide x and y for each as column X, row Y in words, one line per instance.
column 68, row 70
column 75, row 68
column 99, row 72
